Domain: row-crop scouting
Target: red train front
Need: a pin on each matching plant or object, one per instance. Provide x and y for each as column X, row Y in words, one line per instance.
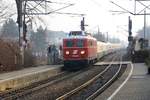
column 79, row 49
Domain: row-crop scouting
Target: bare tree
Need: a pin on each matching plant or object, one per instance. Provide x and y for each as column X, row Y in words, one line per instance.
column 6, row 10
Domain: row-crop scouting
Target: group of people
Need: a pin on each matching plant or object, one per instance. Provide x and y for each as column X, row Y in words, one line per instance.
column 53, row 54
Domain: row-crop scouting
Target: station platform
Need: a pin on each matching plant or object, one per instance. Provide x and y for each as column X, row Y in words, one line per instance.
column 27, row 76
column 134, row 84
column 113, row 63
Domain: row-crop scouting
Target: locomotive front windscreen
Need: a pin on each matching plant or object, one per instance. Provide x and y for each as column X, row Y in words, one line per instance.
column 75, row 43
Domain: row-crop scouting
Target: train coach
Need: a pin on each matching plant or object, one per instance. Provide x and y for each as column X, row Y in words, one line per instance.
column 81, row 50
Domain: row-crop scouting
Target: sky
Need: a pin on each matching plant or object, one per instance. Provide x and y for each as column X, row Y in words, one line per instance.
column 98, row 14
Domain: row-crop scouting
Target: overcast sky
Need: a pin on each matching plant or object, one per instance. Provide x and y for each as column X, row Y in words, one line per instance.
column 97, row 14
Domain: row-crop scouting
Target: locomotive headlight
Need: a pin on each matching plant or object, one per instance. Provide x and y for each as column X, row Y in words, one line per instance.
column 67, row 52
column 82, row 52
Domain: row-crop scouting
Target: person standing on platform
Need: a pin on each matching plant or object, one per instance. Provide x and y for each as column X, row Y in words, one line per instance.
column 49, row 54
column 55, row 54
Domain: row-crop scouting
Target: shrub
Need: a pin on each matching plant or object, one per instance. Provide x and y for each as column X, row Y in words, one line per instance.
column 9, row 55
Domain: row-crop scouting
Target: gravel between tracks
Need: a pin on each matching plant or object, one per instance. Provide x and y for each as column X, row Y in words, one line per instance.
column 57, row 89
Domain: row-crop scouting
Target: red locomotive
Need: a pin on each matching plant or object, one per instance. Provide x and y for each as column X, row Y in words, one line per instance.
column 80, row 49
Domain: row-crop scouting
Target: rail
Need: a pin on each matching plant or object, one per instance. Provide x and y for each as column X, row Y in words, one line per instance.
column 69, row 94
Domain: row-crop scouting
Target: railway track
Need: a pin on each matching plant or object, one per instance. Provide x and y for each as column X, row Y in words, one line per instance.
column 59, row 85
column 87, row 91
column 18, row 92
column 22, row 92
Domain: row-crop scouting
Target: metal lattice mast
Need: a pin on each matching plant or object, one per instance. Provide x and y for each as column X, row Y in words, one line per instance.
column 141, row 7
column 145, row 11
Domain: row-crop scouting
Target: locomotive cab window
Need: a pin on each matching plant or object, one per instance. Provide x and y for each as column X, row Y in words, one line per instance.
column 69, row 43
column 90, row 43
column 80, row 43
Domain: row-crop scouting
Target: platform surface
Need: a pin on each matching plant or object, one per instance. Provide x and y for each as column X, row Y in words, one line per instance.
column 27, row 76
column 26, row 71
column 136, row 88
column 107, row 63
